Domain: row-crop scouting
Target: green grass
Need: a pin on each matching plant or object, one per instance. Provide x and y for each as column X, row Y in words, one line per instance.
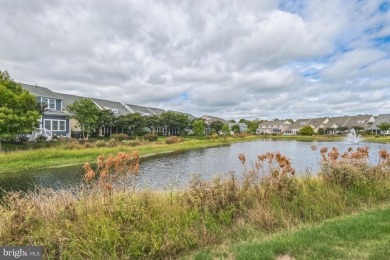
column 85, row 224
column 59, row 156
column 362, row 236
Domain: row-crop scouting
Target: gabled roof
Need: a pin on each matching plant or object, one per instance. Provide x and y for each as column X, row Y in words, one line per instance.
column 157, row 111
column 360, row 120
column 139, row 109
column 68, row 99
column 317, row 122
column 40, row 91
column 339, row 121
column 190, row 116
column 210, row 119
column 382, row 118
column 110, row 105
column 299, row 123
column 349, row 121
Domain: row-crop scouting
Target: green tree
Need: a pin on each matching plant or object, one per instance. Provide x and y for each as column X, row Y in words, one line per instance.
column 132, row 124
column 86, row 113
column 252, row 125
column 198, row 127
column 152, row 122
column 18, row 109
column 216, row 125
column 384, row 126
column 225, row 129
column 106, row 119
column 306, row 130
column 174, row 122
column 236, row 129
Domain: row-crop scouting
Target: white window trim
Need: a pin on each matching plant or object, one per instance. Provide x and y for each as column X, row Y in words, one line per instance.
column 51, row 125
column 48, row 104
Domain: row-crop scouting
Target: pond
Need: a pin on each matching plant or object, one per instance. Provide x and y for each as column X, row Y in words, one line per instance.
column 173, row 171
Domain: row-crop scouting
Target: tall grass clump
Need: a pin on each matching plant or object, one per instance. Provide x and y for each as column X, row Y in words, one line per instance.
column 173, row 140
column 107, row 218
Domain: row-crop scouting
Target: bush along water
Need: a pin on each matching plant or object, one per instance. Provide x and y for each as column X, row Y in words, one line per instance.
column 109, row 219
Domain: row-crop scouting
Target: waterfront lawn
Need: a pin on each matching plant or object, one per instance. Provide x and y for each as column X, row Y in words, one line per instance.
column 361, row 236
column 75, row 153
column 102, row 222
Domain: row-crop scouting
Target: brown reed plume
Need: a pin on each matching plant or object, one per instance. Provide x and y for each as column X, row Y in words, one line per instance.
column 112, row 169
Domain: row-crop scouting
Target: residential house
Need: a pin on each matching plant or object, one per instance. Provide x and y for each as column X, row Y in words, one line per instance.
column 343, row 123
column 315, row 123
column 273, row 127
column 68, row 100
column 382, row 118
column 210, row 119
column 54, row 121
column 116, row 108
column 243, row 127
column 296, row 126
column 360, row 122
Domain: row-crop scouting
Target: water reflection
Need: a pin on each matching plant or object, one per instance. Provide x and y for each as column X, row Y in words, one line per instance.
column 173, row 171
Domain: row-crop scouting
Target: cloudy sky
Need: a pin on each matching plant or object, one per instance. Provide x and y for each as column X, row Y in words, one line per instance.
column 234, row 59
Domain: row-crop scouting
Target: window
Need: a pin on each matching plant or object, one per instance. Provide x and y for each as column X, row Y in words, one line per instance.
column 55, row 125
column 50, row 103
column 115, row 111
column 62, row 125
column 303, row 123
column 48, row 124
column 360, row 122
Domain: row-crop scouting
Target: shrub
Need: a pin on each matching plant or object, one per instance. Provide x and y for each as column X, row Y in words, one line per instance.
column 173, row 140
column 151, row 137
column 23, row 138
column 131, row 142
column 89, row 145
column 352, row 167
column 73, row 145
column 112, row 143
column 120, row 137
column 100, row 143
column 41, row 138
column 213, row 136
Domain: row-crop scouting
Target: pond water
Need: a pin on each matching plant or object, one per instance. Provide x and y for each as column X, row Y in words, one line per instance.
column 173, row 171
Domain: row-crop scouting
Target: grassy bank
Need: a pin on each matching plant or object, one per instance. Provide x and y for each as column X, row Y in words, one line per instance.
column 360, row 236
column 75, row 153
column 107, row 223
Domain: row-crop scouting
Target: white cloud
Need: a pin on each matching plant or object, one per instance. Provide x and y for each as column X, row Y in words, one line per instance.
column 231, row 59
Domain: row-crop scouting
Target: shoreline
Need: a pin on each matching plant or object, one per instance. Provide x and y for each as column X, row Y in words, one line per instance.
column 58, row 157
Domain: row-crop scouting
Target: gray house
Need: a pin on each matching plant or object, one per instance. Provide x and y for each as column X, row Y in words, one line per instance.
column 360, row 121
column 382, row 118
column 54, row 121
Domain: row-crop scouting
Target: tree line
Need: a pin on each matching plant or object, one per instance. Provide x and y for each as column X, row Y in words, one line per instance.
column 20, row 111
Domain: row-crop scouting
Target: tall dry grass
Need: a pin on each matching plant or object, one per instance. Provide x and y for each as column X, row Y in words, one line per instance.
column 106, row 220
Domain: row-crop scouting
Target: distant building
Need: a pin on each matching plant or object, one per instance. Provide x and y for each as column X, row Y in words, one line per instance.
column 315, row 123
column 273, row 127
column 54, row 121
column 382, row 118
column 243, row 127
column 208, row 120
